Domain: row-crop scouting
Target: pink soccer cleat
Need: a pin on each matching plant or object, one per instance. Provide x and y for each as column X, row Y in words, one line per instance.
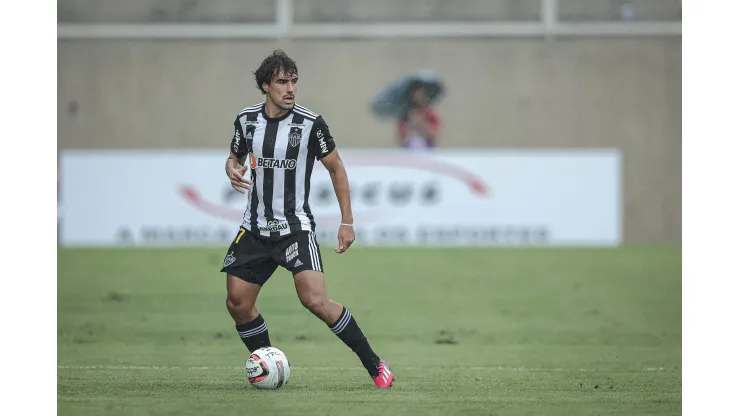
column 385, row 378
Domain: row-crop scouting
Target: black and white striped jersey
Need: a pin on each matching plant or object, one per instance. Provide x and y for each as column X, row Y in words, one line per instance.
column 281, row 152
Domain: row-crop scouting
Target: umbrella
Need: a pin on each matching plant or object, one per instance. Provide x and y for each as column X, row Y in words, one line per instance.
column 393, row 100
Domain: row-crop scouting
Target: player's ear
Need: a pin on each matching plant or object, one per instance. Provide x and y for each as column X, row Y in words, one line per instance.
column 264, row 87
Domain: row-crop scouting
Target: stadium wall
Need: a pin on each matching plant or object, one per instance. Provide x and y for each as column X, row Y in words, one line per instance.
column 523, row 93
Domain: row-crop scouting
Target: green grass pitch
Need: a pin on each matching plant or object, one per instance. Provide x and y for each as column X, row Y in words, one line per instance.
column 466, row 331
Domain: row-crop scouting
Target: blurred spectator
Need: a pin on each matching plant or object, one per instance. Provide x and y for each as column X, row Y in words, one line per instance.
column 419, row 127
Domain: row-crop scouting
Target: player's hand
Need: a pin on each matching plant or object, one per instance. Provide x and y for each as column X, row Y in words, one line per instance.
column 346, row 237
column 237, row 180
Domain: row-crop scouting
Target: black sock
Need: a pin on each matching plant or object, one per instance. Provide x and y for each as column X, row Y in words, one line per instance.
column 254, row 333
column 347, row 330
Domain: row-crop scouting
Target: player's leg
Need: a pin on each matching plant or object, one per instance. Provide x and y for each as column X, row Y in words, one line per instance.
column 311, row 288
column 302, row 257
column 241, row 297
column 248, row 265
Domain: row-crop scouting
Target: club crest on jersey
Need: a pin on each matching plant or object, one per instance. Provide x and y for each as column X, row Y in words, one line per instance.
column 295, row 137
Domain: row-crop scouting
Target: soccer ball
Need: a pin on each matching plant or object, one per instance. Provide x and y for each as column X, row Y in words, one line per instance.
column 268, row 368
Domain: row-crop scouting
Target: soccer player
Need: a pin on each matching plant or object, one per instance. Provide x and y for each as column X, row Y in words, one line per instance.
column 281, row 140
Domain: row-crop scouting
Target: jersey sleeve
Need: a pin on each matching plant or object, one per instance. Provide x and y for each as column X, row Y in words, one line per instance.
column 238, row 142
column 321, row 140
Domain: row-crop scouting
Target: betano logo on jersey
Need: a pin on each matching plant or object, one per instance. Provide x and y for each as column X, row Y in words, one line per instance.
column 270, row 163
column 267, row 163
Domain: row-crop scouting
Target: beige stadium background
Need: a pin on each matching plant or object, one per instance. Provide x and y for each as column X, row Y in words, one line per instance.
column 500, row 92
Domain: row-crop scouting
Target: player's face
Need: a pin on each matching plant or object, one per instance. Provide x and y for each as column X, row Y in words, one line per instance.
column 282, row 89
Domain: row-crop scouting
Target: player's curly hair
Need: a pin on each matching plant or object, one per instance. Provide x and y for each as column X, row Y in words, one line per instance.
column 272, row 65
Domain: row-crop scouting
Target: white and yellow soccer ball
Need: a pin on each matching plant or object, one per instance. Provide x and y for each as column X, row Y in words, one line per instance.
column 268, row 368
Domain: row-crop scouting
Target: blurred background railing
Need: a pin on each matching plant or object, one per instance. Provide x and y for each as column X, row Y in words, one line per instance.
column 362, row 18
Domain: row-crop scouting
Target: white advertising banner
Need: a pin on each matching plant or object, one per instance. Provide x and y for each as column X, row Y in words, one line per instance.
column 442, row 198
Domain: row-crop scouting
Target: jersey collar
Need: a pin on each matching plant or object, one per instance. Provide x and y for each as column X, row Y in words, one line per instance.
column 281, row 118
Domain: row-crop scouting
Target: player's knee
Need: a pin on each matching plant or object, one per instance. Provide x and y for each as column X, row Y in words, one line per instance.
column 238, row 304
column 314, row 302
column 232, row 304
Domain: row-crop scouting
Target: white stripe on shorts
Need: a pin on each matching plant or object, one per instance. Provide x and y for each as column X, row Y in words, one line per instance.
column 314, row 251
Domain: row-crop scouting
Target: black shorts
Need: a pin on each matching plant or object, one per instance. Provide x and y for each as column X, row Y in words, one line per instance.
column 255, row 258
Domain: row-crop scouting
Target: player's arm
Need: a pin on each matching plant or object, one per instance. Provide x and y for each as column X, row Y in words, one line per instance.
column 333, row 163
column 235, row 163
column 328, row 154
